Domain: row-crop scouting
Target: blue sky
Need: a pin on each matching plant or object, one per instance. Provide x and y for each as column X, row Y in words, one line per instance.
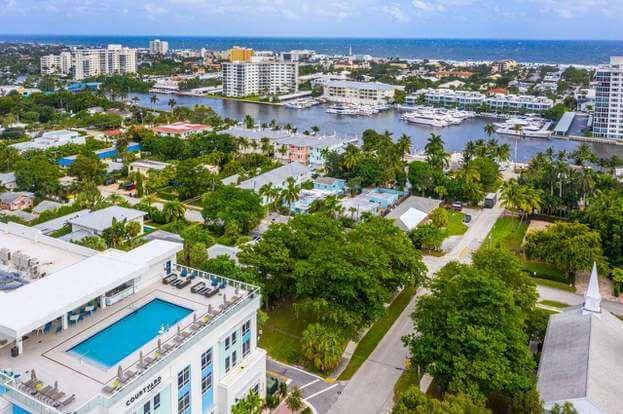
column 525, row 19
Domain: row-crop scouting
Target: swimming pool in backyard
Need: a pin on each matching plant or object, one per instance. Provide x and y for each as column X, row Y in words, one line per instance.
column 112, row 344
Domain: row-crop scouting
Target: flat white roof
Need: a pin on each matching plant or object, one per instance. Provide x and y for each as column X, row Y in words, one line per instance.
column 45, row 299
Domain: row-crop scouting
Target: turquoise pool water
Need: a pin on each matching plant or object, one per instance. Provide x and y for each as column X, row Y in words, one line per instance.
column 111, row 345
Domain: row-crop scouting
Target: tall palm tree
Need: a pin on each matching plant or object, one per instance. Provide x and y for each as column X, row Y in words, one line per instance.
column 269, row 193
column 149, row 200
column 489, row 129
column 174, row 210
column 352, row 155
column 404, row 146
column 291, row 193
column 522, row 199
column 435, row 152
column 154, row 99
column 249, row 122
column 294, row 401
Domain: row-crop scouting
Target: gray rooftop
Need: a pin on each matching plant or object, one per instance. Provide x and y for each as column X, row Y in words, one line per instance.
column 8, row 196
column 217, row 250
column 46, row 205
column 326, row 180
column 6, row 178
column 164, row 235
column 582, row 359
column 360, row 85
column 58, row 223
column 276, row 176
column 100, row 220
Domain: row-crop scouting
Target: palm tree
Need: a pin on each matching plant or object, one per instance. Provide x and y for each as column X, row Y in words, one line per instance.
column 489, row 129
column 149, row 200
column 269, row 193
column 295, row 400
column 315, row 129
column 291, row 193
column 249, row 122
column 352, row 155
column 174, row 210
column 522, row 199
column 154, row 99
column 404, row 146
column 435, row 152
column 115, row 199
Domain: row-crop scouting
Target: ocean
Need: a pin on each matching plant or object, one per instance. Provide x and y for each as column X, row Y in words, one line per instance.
column 581, row 52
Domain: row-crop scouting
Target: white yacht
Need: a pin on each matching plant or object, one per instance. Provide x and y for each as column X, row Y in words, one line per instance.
column 439, row 118
column 342, row 109
column 524, row 126
column 303, row 103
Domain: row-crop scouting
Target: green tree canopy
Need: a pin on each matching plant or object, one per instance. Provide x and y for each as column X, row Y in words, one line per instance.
column 229, row 204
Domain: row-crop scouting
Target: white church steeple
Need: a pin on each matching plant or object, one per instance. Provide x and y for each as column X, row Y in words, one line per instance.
column 592, row 298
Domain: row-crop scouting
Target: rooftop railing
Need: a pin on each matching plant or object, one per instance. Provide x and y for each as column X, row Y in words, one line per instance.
column 9, row 388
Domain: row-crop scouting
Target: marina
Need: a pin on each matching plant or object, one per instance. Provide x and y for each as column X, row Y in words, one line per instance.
column 455, row 136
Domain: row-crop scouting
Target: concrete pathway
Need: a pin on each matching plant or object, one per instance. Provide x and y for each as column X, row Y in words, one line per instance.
column 570, row 298
column 371, row 389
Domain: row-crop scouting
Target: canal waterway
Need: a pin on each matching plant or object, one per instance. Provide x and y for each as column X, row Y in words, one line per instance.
column 455, row 136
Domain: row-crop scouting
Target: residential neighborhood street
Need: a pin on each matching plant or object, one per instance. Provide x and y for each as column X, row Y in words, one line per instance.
column 370, row 391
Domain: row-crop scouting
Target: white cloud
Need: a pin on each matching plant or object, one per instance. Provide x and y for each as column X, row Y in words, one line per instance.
column 395, row 11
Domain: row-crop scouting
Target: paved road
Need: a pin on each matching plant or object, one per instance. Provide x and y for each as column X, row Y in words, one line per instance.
column 317, row 392
column 547, row 293
column 370, row 391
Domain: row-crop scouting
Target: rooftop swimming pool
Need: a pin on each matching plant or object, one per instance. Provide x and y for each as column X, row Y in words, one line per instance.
column 112, row 344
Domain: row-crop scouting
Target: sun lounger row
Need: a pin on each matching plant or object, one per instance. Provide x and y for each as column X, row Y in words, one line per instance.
column 178, row 282
column 49, row 395
column 202, row 288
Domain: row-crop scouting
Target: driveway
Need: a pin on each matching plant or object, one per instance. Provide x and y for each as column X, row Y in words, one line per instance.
column 371, row 389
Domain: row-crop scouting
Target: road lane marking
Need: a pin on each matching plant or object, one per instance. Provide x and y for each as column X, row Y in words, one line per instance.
column 308, row 384
column 321, row 391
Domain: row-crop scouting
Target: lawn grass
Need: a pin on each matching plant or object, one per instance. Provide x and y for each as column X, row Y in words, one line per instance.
column 544, row 271
column 408, row 379
column 507, row 232
column 376, row 332
column 282, row 334
column 554, row 303
column 455, row 227
column 553, row 284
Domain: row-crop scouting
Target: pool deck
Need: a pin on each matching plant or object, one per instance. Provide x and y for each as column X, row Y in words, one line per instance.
column 47, row 353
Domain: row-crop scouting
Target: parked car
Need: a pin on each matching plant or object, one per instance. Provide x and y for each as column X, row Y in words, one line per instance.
column 457, row 206
column 109, row 181
column 128, row 186
column 467, row 218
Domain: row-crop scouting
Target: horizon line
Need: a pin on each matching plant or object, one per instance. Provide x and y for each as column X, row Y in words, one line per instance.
column 317, row 37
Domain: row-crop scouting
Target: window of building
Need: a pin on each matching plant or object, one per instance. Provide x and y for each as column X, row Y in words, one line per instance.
column 246, row 348
column 147, row 407
column 227, row 343
column 234, row 358
column 183, row 403
column 206, row 359
column 206, row 383
column 227, row 364
column 183, row 377
column 156, row 401
column 246, row 327
column 234, row 337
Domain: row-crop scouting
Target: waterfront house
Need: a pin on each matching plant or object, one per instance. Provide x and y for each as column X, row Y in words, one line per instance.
column 180, row 129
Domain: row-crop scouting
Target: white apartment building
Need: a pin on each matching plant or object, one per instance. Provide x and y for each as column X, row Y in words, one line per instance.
column 608, row 119
column 51, row 139
column 359, row 93
column 496, row 102
column 84, row 63
column 242, row 79
column 117, row 332
column 158, row 47
column 56, row 64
